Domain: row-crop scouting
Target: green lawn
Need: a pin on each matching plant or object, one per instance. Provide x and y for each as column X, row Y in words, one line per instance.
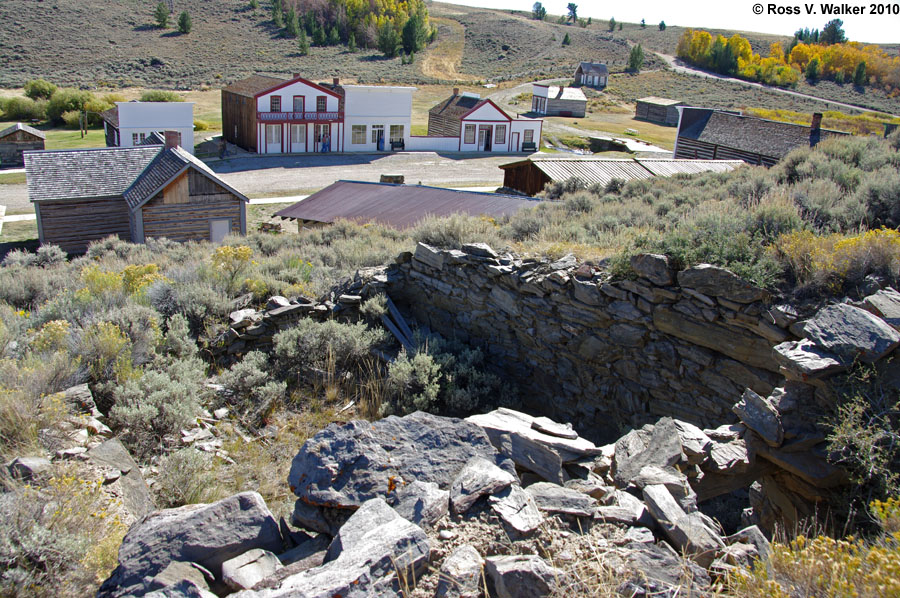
column 12, row 178
column 16, row 232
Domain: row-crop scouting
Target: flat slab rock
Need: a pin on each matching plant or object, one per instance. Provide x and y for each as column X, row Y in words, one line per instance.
column 524, row 576
column 719, row 282
column 517, row 509
column 886, row 305
column 345, row 465
column 806, row 360
column 514, row 434
column 552, row 498
column 850, row 333
column 479, row 477
column 461, row 574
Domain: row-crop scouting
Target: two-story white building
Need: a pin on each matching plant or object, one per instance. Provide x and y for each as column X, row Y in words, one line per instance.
column 130, row 124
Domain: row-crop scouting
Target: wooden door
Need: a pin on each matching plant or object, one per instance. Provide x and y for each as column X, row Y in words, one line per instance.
column 514, row 143
column 219, row 229
column 298, row 138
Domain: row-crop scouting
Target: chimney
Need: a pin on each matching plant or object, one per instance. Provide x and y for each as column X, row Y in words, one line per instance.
column 335, row 81
column 456, row 91
column 173, row 139
column 815, row 129
column 296, row 75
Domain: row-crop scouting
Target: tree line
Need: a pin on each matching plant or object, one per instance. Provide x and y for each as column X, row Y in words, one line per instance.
column 829, row 58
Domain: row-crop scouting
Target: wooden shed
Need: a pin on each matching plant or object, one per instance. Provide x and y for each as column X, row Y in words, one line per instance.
column 17, row 139
column 134, row 193
column 662, row 111
column 553, row 100
column 239, row 110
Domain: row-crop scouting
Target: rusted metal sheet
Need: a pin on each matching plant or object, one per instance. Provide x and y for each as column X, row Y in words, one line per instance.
column 398, row 206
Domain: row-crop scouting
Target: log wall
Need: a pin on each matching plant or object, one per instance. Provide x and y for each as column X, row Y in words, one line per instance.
column 239, row 120
column 75, row 223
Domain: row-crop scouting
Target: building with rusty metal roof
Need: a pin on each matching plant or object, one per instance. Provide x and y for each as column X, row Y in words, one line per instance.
column 397, row 206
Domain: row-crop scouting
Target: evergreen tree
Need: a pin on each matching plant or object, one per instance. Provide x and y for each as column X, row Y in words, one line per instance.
column 414, row 34
column 277, row 13
column 291, row 23
column 566, row 41
column 620, row 26
column 538, row 12
column 254, row 4
column 636, row 59
column 303, row 43
column 184, row 22
column 833, row 33
column 334, row 38
column 859, row 75
column 573, row 11
column 662, row 25
column 812, row 69
column 643, row 24
column 161, row 15
column 589, row 20
column 319, row 35
column 388, row 41
column 351, row 42
column 612, row 24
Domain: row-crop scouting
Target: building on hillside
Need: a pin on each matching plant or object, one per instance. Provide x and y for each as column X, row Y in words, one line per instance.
column 134, row 193
column 129, row 124
column 592, row 74
column 707, row 134
column 658, row 110
column 479, row 125
column 396, row 205
column 558, row 101
column 15, row 140
column 529, row 176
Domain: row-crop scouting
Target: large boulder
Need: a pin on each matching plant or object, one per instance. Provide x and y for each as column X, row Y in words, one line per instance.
column 886, row 305
column 851, row 333
column 373, row 548
column 634, row 451
column 345, row 465
column 559, row 500
column 113, row 455
column 686, row 531
column 207, row 535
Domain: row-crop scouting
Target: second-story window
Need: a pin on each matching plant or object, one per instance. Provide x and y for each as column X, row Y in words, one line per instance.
column 298, row 104
column 274, row 103
column 320, row 104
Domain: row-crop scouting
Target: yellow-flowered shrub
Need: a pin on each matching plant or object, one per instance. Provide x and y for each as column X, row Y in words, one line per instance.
column 230, row 261
column 52, row 336
column 832, row 260
column 830, row 568
column 106, row 351
column 136, row 278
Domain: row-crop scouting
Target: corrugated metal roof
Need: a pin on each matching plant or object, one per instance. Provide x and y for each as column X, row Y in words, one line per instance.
column 660, row 101
column 670, row 167
column 592, row 171
column 398, row 206
column 82, row 173
column 22, row 127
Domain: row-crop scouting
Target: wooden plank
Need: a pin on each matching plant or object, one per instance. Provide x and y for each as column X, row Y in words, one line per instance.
column 407, row 344
column 177, row 192
column 398, row 318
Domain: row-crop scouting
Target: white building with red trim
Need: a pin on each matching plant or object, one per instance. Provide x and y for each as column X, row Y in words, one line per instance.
column 271, row 116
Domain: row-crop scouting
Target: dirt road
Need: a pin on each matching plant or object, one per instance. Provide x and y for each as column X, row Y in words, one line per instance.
column 680, row 67
column 256, row 176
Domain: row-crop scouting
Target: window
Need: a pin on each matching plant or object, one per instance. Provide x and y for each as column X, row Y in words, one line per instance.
column 137, row 138
column 298, row 103
column 470, row 134
column 500, row 134
column 273, row 133
column 320, row 104
column 298, row 134
column 396, row 132
column 529, row 136
column 274, row 103
column 358, row 134
column 377, row 131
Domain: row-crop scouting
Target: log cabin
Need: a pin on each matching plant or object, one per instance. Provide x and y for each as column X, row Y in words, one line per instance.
column 17, row 139
column 662, row 111
column 553, row 100
column 134, row 193
column 707, row 134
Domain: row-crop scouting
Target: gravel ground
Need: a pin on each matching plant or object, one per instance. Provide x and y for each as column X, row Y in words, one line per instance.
column 284, row 174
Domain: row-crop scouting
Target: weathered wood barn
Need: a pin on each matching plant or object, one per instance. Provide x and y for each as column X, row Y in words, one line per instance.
column 708, row 134
column 531, row 175
column 592, row 74
column 558, row 101
column 396, row 205
column 658, row 110
column 17, row 139
column 134, row 193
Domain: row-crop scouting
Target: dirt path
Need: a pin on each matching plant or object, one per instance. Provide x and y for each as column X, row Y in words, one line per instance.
column 442, row 60
column 680, row 67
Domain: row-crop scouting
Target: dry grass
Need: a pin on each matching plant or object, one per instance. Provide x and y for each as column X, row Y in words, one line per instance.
column 442, row 60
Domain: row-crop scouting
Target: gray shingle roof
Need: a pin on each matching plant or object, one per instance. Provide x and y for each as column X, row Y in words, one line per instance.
column 165, row 166
column 593, row 68
column 153, row 138
column 253, row 84
column 76, row 174
column 22, row 127
column 111, row 116
column 456, row 106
